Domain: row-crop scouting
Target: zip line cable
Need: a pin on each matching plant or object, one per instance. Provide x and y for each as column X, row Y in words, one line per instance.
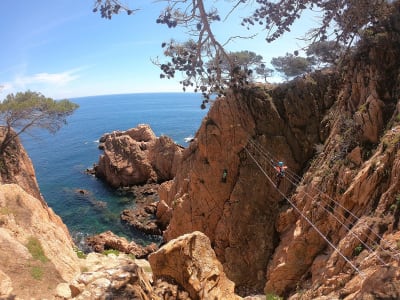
column 340, row 222
column 296, row 183
column 304, row 216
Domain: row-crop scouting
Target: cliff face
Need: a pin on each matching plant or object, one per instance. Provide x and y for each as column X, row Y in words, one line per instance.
column 238, row 214
column 352, row 189
column 341, row 133
column 16, row 167
column 36, row 249
column 137, row 156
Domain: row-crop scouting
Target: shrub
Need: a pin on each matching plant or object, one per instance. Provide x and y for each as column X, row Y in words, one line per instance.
column 36, row 250
column 271, row 296
column 36, row 272
column 5, row 211
column 80, row 253
column 111, row 251
column 357, row 250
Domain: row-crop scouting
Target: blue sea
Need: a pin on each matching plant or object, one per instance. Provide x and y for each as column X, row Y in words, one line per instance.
column 60, row 160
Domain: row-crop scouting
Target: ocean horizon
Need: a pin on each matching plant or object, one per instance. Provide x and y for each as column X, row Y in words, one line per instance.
column 60, row 160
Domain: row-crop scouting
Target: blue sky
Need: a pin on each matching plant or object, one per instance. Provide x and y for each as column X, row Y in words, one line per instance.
column 63, row 50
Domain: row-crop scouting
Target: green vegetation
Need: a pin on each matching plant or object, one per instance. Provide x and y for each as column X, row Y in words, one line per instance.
column 291, row 65
column 271, row 296
column 5, row 211
column 341, row 24
column 397, row 197
column 36, row 250
column 80, row 253
column 24, row 111
column 363, row 108
column 357, row 250
column 36, row 272
column 396, row 206
column 84, row 269
column 111, row 251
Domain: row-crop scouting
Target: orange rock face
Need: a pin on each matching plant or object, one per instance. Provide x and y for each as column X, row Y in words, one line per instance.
column 191, row 262
column 36, row 249
column 218, row 189
column 349, row 189
column 137, row 156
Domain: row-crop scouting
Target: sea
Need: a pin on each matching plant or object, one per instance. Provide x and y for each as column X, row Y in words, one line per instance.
column 60, row 160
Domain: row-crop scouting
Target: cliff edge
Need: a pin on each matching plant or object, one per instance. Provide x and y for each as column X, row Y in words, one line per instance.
column 36, row 249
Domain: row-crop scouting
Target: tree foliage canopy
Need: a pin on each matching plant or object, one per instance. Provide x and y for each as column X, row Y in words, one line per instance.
column 24, row 111
column 325, row 52
column 291, row 65
column 341, row 21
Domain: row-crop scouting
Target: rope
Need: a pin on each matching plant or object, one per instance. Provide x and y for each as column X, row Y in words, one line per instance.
column 305, row 217
column 291, row 177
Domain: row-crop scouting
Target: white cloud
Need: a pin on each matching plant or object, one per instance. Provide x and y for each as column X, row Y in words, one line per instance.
column 50, row 84
column 48, row 78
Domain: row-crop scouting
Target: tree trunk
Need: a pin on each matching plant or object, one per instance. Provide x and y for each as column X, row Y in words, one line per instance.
column 9, row 136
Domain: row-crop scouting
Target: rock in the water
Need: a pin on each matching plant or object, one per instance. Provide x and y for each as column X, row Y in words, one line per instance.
column 137, row 156
column 108, row 240
column 142, row 219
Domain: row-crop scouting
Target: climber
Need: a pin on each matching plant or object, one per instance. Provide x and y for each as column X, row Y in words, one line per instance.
column 281, row 173
column 224, row 174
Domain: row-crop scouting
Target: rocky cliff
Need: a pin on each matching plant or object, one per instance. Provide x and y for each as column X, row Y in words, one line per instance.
column 339, row 132
column 137, row 156
column 238, row 213
column 36, row 249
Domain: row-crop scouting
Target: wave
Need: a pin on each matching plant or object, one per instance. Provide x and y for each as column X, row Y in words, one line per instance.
column 188, row 139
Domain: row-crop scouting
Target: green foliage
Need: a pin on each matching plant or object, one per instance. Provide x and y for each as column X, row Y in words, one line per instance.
column 5, row 211
column 84, row 269
column 324, row 52
column 397, row 200
column 271, row 296
column 342, row 21
column 291, row 65
column 24, row 111
column 357, row 250
column 363, row 108
column 80, row 253
column 263, row 71
column 36, row 250
column 246, row 64
column 111, row 251
column 37, row 272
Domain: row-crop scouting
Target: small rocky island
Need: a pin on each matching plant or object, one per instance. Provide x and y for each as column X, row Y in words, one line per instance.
column 136, row 162
column 137, row 157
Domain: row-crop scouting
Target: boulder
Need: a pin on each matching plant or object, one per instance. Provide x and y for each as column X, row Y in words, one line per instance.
column 142, row 219
column 190, row 261
column 111, row 277
column 108, row 240
column 5, row 285
column 164, row 214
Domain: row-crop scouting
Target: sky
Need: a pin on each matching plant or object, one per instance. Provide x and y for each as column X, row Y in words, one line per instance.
column 62, row 49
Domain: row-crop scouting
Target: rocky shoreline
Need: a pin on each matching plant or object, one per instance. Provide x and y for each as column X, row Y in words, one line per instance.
column 145, row 161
